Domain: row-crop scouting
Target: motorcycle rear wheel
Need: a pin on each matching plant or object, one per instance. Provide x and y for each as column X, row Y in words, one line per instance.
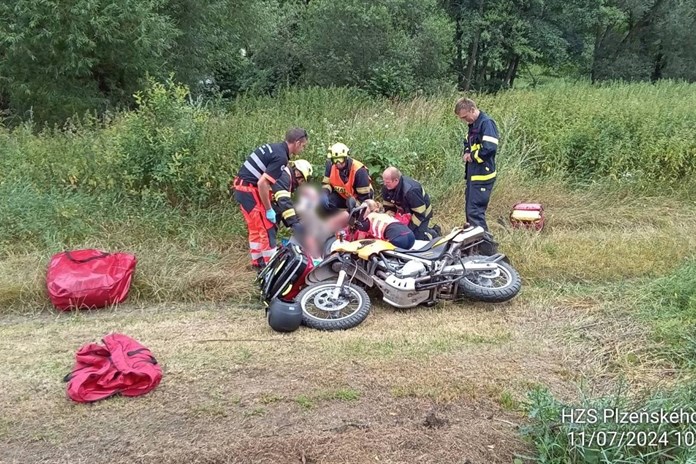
column 488, row 287
column 320, row 311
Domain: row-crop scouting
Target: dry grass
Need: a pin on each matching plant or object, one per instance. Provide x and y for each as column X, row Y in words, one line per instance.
column 591, row 236
column 427, row 385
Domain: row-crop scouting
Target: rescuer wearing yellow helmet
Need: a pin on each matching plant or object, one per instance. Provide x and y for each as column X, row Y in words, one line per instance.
column 344, row 177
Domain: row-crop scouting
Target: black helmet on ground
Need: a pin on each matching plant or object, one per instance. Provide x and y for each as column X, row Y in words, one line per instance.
column 283, row 316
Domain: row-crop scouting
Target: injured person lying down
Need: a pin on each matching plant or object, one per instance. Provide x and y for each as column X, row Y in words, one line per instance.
column 384, row 227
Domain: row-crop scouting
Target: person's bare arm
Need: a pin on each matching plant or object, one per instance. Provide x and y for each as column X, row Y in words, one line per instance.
column 265, row 192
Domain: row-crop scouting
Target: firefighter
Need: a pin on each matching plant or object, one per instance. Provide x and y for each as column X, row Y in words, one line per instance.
column 293, row 175
column 479, row 152
column 252, row 190
column 403, row 195
column 384, row 227
column 344, row 177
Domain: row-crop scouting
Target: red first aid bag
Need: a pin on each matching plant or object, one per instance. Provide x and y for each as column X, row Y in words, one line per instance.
column 527, row 216
column 89, row 278
column 122, row 366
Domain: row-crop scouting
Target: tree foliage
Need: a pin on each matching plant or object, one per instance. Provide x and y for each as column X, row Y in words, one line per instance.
column 58, row 58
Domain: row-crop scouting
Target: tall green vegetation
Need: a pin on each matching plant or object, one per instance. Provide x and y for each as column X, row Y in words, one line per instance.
column 173, row 154
column 59, row 58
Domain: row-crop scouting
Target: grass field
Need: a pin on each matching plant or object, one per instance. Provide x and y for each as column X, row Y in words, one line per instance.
column 607, row 310
column 446, row 384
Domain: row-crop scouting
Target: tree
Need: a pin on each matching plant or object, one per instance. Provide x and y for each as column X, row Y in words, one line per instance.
column 391, row 47
column 69, row 56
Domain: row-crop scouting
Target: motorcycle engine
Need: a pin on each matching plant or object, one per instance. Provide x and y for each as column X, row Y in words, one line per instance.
column 411, row 269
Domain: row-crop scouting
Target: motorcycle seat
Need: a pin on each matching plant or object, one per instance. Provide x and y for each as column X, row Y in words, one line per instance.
column 426, row 249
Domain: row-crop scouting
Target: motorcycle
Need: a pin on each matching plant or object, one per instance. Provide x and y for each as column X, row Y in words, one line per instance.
column 333, row 296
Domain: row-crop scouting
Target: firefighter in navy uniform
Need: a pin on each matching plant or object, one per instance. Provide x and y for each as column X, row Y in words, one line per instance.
column 479, row 152
column 253, row 188
column 401, row 194
column 344, row 177
column 293, row 175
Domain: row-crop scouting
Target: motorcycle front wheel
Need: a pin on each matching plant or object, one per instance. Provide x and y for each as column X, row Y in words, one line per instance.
column 321, row 311
column 497, row 286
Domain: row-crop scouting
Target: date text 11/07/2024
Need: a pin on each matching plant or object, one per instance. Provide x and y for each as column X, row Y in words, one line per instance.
column 643, row 438
column 631, row 438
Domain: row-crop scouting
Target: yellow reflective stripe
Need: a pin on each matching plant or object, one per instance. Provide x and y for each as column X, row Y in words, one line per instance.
column 429, row 210
column 281, row 194
column 363, row 189
column 419, row 210
column 482, row 178
column 415, row 220
column 477, row 157
column 325, row 180
column 288, row 213
column 476, row 146
column 488, row 138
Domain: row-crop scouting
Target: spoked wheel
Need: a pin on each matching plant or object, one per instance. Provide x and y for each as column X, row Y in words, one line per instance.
column 492, row 286
column 324, row 312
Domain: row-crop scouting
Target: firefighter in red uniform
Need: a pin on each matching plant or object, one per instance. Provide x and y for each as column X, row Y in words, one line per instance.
column 344, row 177
column 253, row 189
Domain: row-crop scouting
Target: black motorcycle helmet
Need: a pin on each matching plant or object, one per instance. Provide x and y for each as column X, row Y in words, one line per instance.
column 283, row 316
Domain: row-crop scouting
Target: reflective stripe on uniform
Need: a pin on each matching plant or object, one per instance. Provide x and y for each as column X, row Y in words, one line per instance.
column 325, row 180
column 254, row 245
column 281, row 194
column 268, row 253
column 475, row 152
column 415, row 220
column 482, row 178
column 250, row 167
column 270, row 149
column 488, row 138
column 419, row 209
column 288, row 213
column 255, row 256
column 258, row 161
column 363, row 189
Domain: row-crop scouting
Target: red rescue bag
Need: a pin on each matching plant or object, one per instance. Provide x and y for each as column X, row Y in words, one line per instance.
column 527, row 216
column 89, row 278
column 122, row 366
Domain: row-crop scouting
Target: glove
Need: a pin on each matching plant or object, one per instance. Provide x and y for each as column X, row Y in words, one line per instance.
column 271, row 215
column 325, row 200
